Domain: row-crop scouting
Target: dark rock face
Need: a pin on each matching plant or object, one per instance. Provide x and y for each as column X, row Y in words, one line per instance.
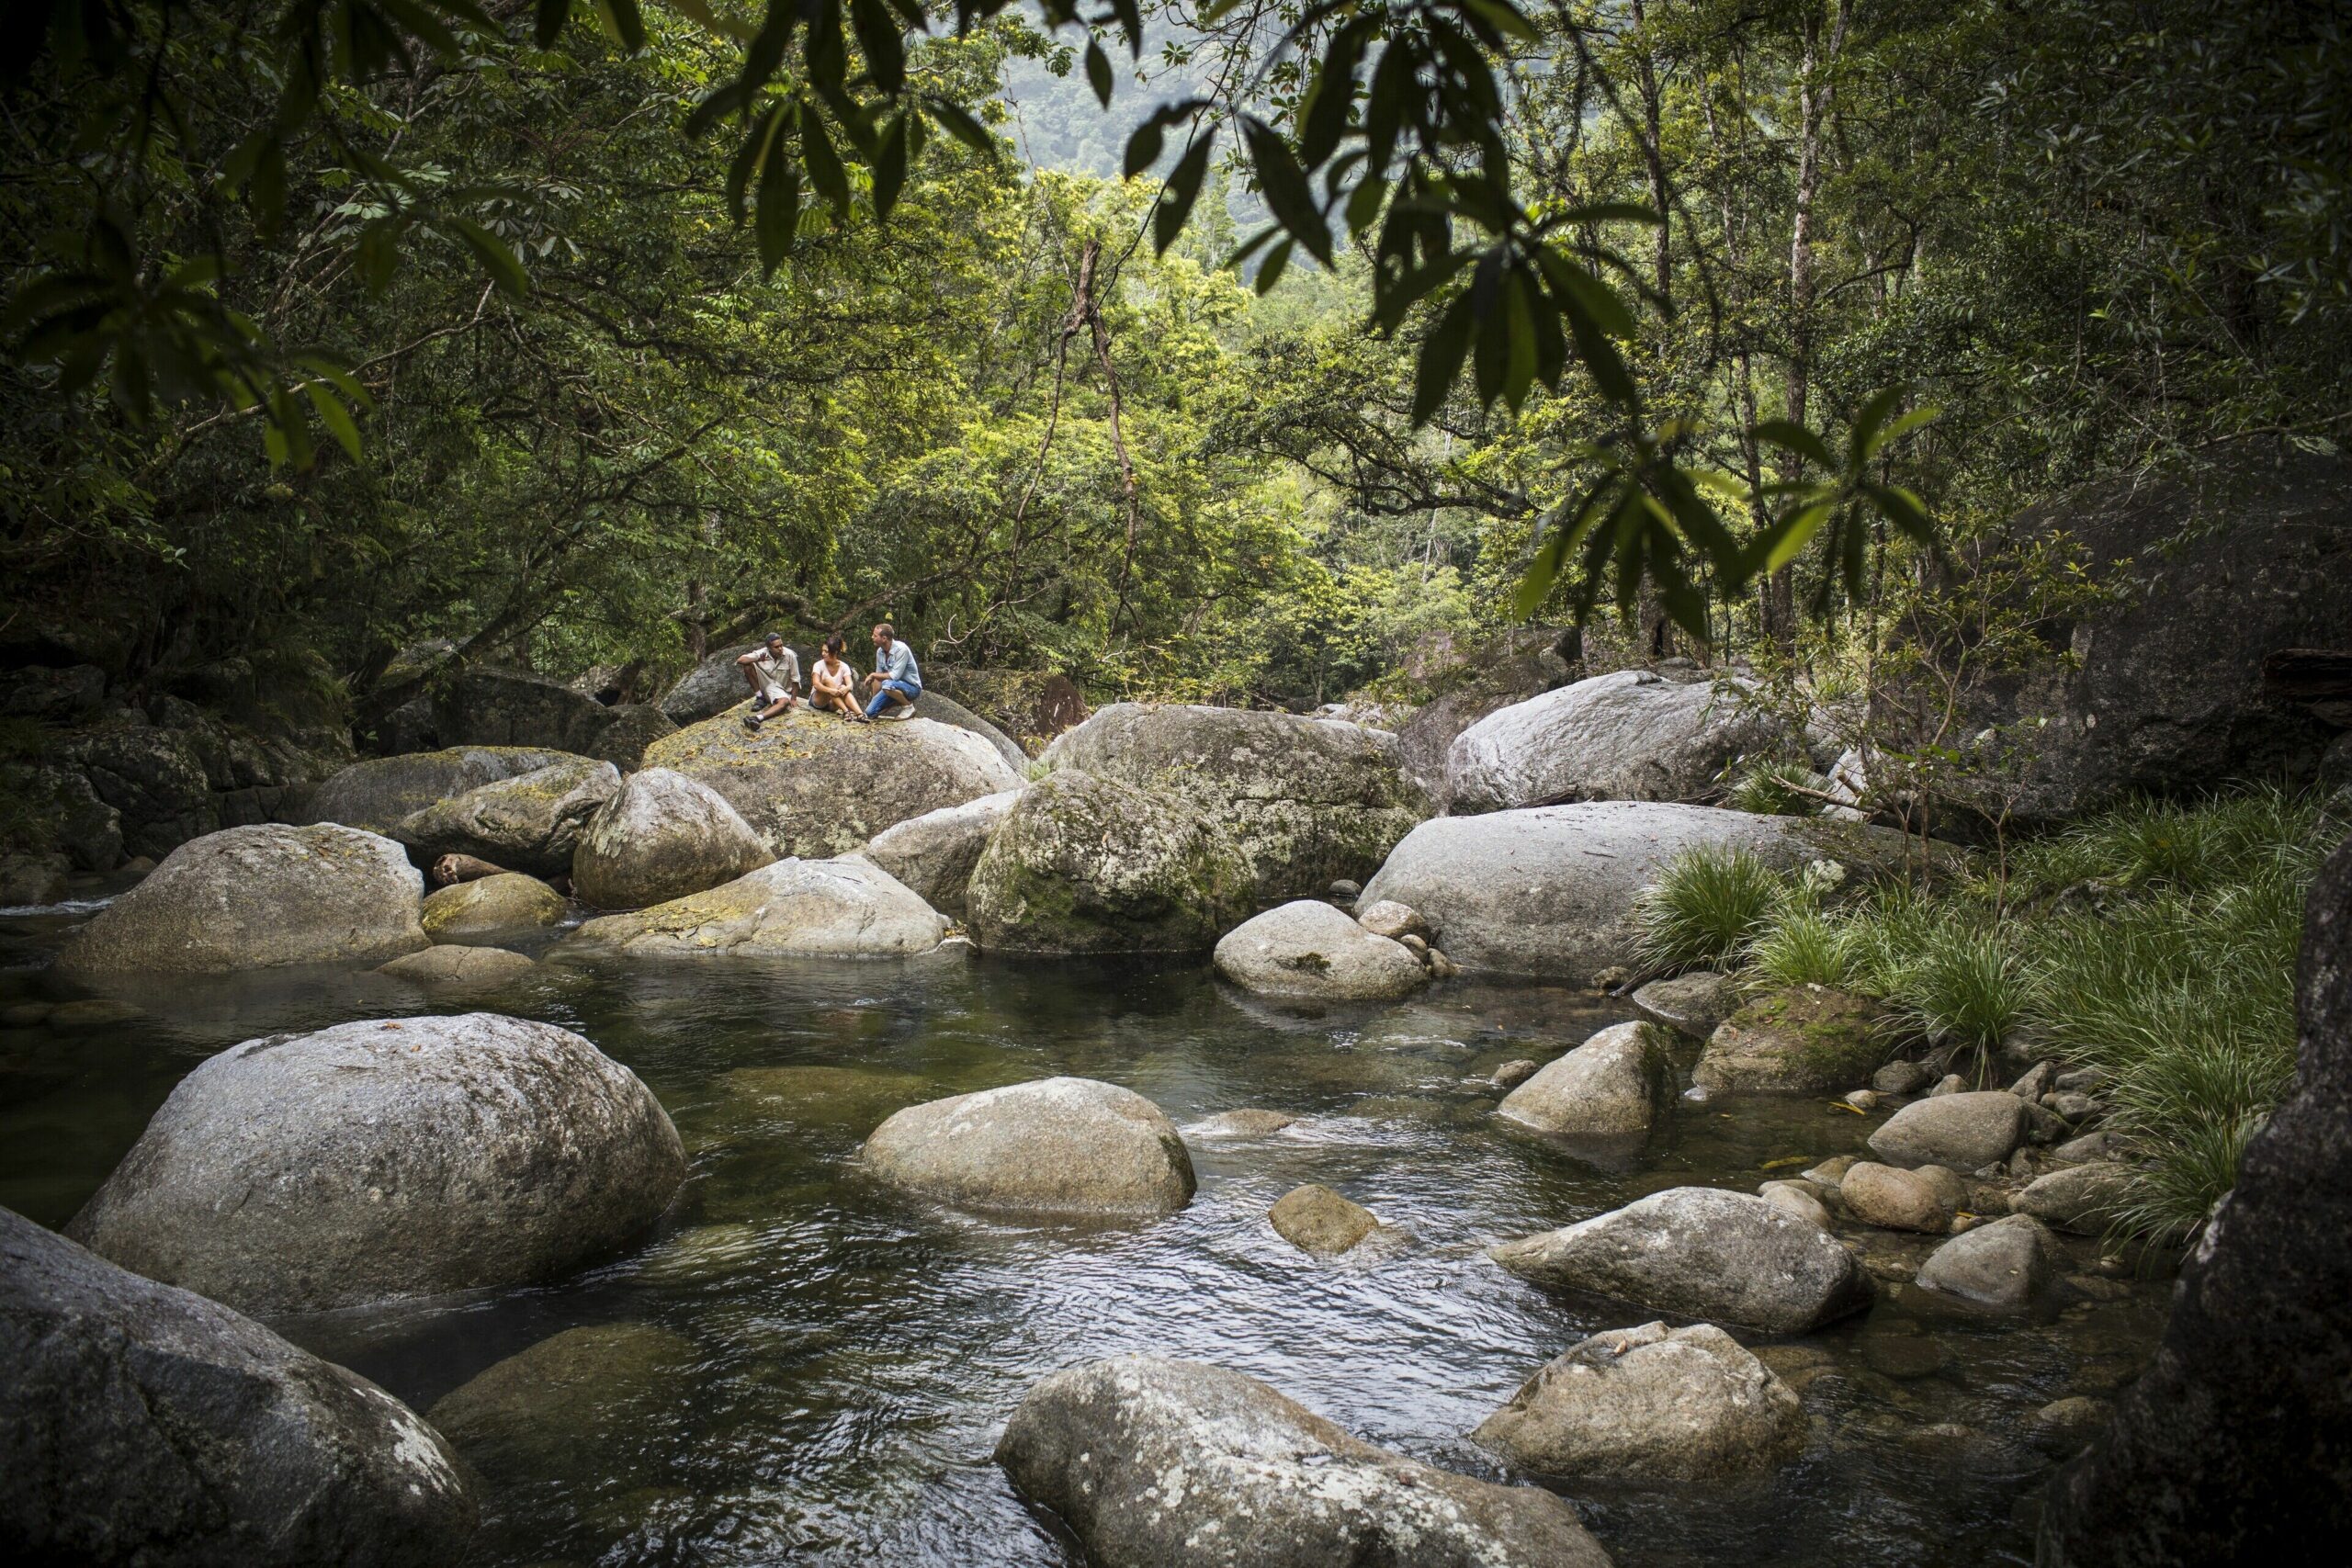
column 2168, row 693
column 56, row 696
column 1171, row 1464
column 510, row 707
column 380, row 793
column 2236, row 1445
column 147, row 1425
column 388, row 1158
column 633, row 727
column 710, row 688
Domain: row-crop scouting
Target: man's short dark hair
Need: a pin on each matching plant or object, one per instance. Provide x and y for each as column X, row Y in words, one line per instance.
column 772, row 636
column 887, row 629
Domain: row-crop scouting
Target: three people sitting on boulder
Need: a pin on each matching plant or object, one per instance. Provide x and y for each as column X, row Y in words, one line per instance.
column 773, row 671
column 896, row 681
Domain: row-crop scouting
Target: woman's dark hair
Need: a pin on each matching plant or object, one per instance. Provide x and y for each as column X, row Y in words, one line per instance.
column 837, row 644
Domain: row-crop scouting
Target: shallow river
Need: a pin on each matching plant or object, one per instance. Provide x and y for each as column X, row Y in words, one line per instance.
column 810, row 1370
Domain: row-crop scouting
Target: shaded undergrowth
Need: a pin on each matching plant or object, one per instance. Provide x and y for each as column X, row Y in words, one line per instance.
column 2155, row 941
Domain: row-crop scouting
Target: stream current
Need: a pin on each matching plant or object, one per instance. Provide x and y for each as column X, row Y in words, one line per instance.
column 799, row 1368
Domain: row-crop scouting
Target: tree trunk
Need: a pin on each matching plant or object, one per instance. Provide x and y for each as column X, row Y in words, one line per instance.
column 1817, row 90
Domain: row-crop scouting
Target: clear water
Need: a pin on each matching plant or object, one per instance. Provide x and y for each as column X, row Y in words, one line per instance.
column 843, row 1360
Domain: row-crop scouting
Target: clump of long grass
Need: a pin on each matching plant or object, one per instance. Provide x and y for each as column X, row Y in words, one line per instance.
column 1964, row 986
column 1777, row 789
column 1705, row 907
column 1804, row 946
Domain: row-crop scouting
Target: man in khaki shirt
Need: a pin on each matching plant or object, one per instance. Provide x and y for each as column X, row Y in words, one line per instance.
column 772, row 671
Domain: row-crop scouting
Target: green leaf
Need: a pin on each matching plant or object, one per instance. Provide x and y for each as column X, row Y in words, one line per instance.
column 1098, row 72
column 1324, row 119
column 957, row 122
column 337, row 377
column 778, row 221
column 824, row 164
column 1184, row 188
column 552, row 15
column 1503, row 17
column 1270, row 271
column 883, row 42
column 496, row 256
column 1789, row 436
column 890, row 166
column 621, row 21
column 336, row 418
column 1443, row 351
column 1288, row 195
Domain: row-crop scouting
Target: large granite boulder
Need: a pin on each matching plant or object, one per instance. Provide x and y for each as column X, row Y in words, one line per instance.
column 709, row 689
column 1052, row 1147
column 1524, row 662
column 259, row 898
column 388, row 1158
column 813, row 784
column 527, row 823
column 629, row 729
column 1087, row 865
column 845, row 908
column 1154, row 1463
column 1632, row 735
column 381, row 793
column 2209, row 575
column 1695, row 1252
column 491, row 907
column 1964, row 1131
column 1309, row 801
column 147, row 1425
column 934, row 853
column 1549, row 890
column 1650, row 1403
column 941, row 708
column 1798, row 1038
column 2230, row 1448
column 1610, row 1087
column 661, row 836
column 1307, row 948
column 481, row 707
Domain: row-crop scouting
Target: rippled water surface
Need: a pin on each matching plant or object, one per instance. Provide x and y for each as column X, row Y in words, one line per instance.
column 799, row 1368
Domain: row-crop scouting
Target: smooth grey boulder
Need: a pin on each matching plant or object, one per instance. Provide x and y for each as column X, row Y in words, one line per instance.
column 2081, row 1199
column 934, row 853
column 1154, row 1463
column 1307, row 948
column 1650, row 1403
column 661, row 836
column 388, row 1158
column 2227, row 1448
column 1692, row 1005
column 1796, row 1039
column 1087, row 865
column 1059, row 1145
column 1893, row 1198
column 1801, row 1198
column 381, row 793
column 1966, row 1131
column 1315, row 1219
column 147, row 1425
column 2008, row 1264
column 457, row 965
column 258, row 897
column 1630, row 735
column 1696, row 1252
column 1308, row 801
column 1513, row 667
column 709, row 689
column 941, row 708
column 1551, row 891
column 1611, row 1086
column 527, row 823
column 814, row 785
column 505, row 905
column 834, row 909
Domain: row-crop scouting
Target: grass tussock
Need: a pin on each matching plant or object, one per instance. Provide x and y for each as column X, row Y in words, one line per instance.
column 2157, row 941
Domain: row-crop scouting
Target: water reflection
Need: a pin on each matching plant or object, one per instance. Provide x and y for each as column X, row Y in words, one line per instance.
column 800, row 1367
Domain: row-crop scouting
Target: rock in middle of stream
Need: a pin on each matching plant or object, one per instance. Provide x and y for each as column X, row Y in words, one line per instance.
column 1069, row 1146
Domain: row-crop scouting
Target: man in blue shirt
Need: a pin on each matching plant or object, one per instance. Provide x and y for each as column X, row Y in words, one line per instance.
column 895, row 682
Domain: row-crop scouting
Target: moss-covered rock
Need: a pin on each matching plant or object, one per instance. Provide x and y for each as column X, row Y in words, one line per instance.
column 1803, row 1038
column 662, row 837
column 831, row 907
column 1087, row 865
column 492, row 906
column 1308, row 801
column 381, row 793
column 530, row 822
column 814, row 785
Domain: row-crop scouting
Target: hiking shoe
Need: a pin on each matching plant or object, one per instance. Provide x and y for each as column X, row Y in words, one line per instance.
column 752, row 721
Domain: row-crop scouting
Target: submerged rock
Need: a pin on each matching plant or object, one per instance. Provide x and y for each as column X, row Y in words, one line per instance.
column 257, row 898
column 571, row 1406
column 2008, row 1264
column 1085, row 864
column 1307, row 801
column 1307, row 948
column 1798, row 1038
column 147, row 1425
column 1650, row 1403
column 813, row 784
column 1154, row 1463
column 1245, row 1124
column 933, row 854
column 1966, row 1131
column 388, row 1158
column 1609, row 1086
column 826, row 908
column 457, row 965
column 1696, row 1252
column 381, row 793
column 1629, row 735
column 1315, row 1219
column 492, row 906
column 1053, row 1146
column 527, row 823
column 1551, row 891
column 662, row 836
